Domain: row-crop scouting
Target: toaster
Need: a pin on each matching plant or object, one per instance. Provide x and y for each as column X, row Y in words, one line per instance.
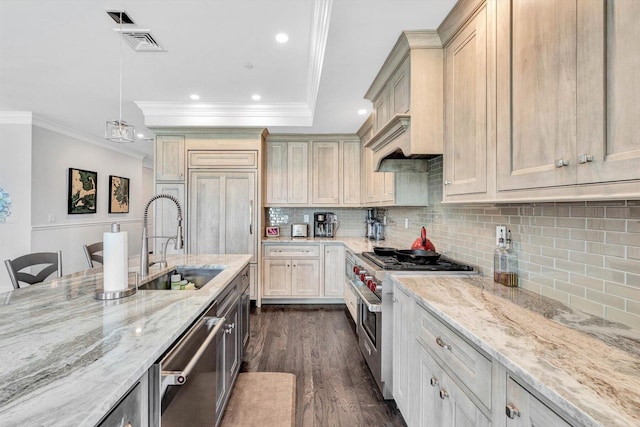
column 299, row 230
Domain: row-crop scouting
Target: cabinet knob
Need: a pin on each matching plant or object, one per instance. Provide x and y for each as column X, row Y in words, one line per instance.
column 561, row 163
column 585, row 158
column 447, row 182
column 442, row 344
column 512, row 411
column 443, row 394
column 395, row 300
column 434, row 381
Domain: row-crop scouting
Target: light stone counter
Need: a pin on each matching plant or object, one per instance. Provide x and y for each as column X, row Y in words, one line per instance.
column 587, row 366
column 67, row 358
column 356, row 244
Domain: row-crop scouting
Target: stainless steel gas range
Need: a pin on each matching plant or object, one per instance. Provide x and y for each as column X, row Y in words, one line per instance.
column 369, row 275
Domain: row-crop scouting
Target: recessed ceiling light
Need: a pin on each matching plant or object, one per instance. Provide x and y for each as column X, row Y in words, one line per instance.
column 362, row 112
column 140, row 135
column 256, row 97
column 282, row 38
column 195, row 97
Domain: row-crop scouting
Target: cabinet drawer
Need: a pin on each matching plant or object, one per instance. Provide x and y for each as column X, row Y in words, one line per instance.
column 223, row 159
column 461, row 358
column 289, row 251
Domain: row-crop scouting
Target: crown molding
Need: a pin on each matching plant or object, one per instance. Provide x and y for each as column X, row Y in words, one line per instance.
column 16, row 117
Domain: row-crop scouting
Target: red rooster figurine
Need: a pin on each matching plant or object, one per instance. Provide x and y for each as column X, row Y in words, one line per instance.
column 423, row 243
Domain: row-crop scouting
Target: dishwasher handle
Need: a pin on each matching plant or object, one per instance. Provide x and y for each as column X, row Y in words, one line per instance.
column 180, row 377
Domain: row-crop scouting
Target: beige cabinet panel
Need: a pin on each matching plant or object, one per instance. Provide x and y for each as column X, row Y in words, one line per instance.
column 608, row 92
column 333, row 270
column 253, row 280
column 325, row 167
column 351, row 300
column 465, row 132
column 166, row 213
column 305, row 277
column 399, row 89
column 222, row 212
column 223, row 159
column 170, row 158
column 402, row 339
column 536, row 93
column 351, row 174
column 531, row 411
column 276, row 277
column 298, row 172
column 276, row 173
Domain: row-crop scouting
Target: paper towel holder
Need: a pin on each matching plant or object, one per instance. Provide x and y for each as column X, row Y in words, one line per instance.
column 130, row 290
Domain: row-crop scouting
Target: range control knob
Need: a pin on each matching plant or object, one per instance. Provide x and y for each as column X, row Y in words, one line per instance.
column 356, row 269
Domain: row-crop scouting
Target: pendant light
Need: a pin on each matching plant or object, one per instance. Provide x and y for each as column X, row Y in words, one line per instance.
column 119, row 130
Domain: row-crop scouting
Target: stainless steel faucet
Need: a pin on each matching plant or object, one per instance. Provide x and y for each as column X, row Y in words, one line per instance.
column 144, row 253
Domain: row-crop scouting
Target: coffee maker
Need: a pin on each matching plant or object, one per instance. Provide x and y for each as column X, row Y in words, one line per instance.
column 376, row 221
column 325, row 224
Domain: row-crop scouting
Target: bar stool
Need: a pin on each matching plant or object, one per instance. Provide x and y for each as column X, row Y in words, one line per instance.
column 51, row 260
column 90, row 251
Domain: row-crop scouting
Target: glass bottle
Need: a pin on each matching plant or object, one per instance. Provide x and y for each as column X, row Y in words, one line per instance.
column 510, row 273
column 499, row 260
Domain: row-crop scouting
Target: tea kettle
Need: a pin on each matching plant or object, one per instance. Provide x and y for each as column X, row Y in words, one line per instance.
column 422, row 242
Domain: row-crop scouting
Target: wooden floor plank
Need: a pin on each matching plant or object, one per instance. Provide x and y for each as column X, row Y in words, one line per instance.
column 318, row 344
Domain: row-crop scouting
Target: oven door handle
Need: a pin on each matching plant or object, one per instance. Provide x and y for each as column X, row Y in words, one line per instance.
column 180, row 377
column 368, row 298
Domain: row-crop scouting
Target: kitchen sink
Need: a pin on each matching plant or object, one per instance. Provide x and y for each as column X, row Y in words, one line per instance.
column 198, row 276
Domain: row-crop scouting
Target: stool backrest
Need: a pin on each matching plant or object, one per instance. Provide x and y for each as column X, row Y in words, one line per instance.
column 51, row 260
column 91, row 253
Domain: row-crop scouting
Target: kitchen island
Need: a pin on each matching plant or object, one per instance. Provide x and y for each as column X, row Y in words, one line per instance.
column 69, row 358
column 584, row 367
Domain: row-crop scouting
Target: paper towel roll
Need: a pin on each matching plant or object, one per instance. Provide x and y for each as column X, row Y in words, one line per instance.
column 115, row 267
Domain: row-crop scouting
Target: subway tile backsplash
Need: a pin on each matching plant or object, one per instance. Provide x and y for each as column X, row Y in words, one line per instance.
column 584, row 254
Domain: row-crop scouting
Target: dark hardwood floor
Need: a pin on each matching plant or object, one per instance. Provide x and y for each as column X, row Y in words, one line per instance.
column 318, row 344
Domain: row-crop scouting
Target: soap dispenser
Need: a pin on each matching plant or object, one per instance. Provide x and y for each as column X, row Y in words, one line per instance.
column 510, row 273
column 499, row 260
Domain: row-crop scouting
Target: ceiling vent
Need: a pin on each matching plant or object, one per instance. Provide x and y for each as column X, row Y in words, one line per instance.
column 141, row 40
column 115, row 15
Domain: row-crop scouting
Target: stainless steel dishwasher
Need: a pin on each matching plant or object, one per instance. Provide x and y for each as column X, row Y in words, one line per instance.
column 189, row 375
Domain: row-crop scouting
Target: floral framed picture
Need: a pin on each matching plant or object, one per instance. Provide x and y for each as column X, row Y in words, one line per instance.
column 83, row 191
column 118, row 194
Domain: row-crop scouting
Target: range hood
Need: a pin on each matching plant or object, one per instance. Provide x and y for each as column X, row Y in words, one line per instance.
column 408, row 99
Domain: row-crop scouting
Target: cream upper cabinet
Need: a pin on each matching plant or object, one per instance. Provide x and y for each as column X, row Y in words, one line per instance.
column 351, row 173
column 287, row 174
column 536, row 93
column 170, row 158
column 608, row 91
column 466, row 128
column 325, row 167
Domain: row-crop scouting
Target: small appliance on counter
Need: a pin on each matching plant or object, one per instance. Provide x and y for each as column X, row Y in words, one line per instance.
column 325, row 224
column 376, row 221
column 299, row 230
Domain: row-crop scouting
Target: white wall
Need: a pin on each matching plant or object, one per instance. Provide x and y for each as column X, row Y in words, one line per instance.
column 15, row 177
column 34, row 168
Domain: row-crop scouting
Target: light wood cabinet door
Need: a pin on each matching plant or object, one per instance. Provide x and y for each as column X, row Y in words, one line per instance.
column 379, row 186
column 530, row 411
column 298, row 172
column 305, row 277
column 277, row 172
column 166, row 213
column 351, row 174
column 608, row 91
column 536, row 93
column 325, row 170
column 170, row 158
column 465, row 133
column 333, row 270
column 276, row 277
column 399, row 94
column 402, row 338
column 222, row 212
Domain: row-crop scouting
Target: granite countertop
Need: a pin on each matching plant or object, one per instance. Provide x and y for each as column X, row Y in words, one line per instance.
column 69, row 358
column 356, row 244
column 587, row 366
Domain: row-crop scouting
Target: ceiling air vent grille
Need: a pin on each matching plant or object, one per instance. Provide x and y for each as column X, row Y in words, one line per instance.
column 142, row 41
column 115, row 15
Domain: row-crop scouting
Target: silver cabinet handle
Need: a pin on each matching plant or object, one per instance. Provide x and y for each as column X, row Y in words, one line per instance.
column 180, row 377
column 443, row 394
column 561, row 163
column 441, row 343
column 250, row 216
column 368, row 349
column 512, row 411
column 434, row 381
column 585, row 158
column 447, row 182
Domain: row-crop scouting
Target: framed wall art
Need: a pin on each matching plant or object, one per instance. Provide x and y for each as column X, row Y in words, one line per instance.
column 83, row 191
column 273, row 231
column 118, row 194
